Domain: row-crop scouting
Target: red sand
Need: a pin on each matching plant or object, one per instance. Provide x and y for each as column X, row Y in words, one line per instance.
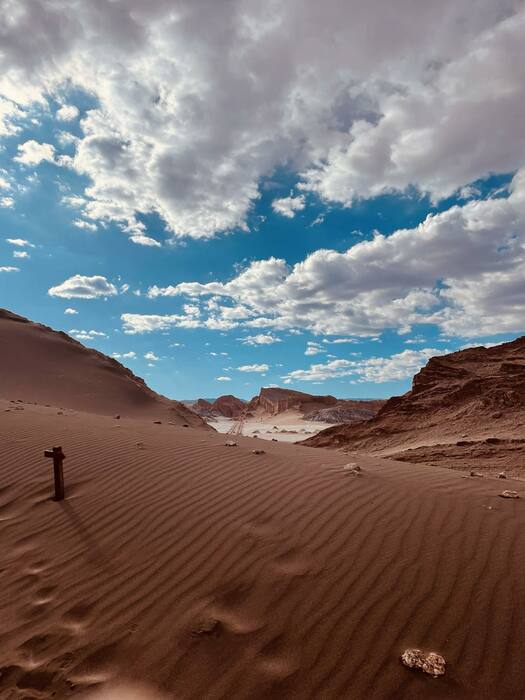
column 211, row 572
column 204, row 571
column 42, row 365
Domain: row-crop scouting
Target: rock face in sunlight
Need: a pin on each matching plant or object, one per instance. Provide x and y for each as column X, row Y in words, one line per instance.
column 471, row 401
column 38, row 364
column 273, row 401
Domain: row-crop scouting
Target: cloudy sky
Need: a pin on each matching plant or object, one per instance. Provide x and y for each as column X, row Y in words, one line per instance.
column 231, row 194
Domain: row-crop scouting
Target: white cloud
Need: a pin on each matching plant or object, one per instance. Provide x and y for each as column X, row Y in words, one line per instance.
column 260, row 339
column 141, row 239
column 313, row 348
column 188, row 120
column 86, row 335
column 151, row 356
column 223, row 379
column 9, row 268
column 67, row 113
column 288, row 206
column 20, row 242
column 70, row 312
column 461, row 270
column 373, row 369
column 7, row 202
column 20, row 254
column 32, row 153
column 82, row 287
column 253, row 368
column 131, row 355
column 86, row 225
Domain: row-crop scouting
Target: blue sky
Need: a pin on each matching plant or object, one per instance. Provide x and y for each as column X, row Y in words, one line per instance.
column 216, row 248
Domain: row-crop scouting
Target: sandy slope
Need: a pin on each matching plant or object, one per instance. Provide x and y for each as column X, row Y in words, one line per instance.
column 46, row 366
column 211, row 572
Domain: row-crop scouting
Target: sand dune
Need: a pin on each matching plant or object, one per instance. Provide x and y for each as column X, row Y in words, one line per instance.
column 41, row 365
column 211, row 572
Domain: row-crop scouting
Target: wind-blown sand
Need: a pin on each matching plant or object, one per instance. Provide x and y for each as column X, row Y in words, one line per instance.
column 211, row 572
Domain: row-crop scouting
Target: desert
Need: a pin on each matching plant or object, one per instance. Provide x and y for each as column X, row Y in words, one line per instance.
column 203, row 571
column 262, row 350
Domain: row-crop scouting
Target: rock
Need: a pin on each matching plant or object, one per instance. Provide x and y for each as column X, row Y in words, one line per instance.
column 116, row 417
column 502, row 475
column 275, row 440
column 258, row 452
column 472, row 473
column 352, row 468
column 509, row 494
column 157, row 422
column 185, row 425
column 432, row 663
column 230, row 444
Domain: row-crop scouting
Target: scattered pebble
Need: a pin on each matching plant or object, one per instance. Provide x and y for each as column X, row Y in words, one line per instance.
column 157, row 422
column 431, row 663
column 117, row 417
column 185, row 425
column 502, row 475
column 352, row 468
column 509, row 494
column 258, row 452
column 60, row 413
column 472, row 473
column 230, row 444
column 275, row 440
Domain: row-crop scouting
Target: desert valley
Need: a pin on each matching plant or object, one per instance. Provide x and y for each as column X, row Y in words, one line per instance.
column 191, row 565
column 262, row 350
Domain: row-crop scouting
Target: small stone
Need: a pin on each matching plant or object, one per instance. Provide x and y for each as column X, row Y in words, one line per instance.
column 502, row 475
column 157, row 422
column 230, row 444
column 117, row 417
column 258, row 452
column 472, row 473
column 185, row 425
column 509, row 494
column 432, row 663
column 275, row 440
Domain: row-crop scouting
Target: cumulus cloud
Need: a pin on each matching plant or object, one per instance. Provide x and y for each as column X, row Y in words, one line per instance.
column 373, row 369
column 86, row 225
column 253, row 368
column 70, row 312
column 151, row 356
column 313, row 349
column 7, row 202
column 260, row 339
column 82, row 287
column 32, row 153
column 288, row 206
column 86, row 335
column 223, row 379
column 9, row 268
column 131, row 355
column 197, row 101
column 20, row 242
column 67, row 113
column 461, row 270
column 20, row 254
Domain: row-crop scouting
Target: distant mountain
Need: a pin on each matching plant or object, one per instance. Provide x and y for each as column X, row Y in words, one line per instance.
column 48, row 367
column 457, row 400
column 272, row 401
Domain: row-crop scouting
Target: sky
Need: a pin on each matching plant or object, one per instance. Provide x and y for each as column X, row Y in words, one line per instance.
column 225, row 196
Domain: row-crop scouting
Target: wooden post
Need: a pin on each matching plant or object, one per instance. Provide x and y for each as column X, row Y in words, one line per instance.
column 58, row 456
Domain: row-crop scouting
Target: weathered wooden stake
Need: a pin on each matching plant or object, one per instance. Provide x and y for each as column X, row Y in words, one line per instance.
column 58, row 457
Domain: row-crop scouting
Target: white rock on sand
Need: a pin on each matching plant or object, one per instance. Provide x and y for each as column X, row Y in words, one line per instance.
column 432, row 663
